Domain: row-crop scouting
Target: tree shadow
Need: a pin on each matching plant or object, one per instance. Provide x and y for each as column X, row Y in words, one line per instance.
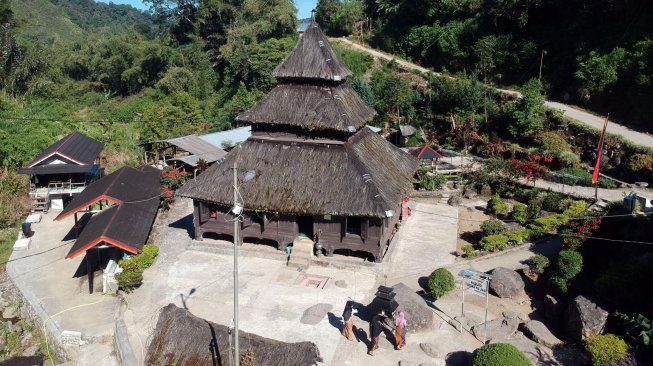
column 459, row 358
column 471, row 236
column 21, row 361
column 184, row 298
column 185, row 222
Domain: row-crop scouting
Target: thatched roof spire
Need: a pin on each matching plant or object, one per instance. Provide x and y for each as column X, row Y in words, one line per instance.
column 312, row 58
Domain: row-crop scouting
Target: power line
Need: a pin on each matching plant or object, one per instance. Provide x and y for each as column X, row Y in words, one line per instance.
column 608, row 239
column 570, row 218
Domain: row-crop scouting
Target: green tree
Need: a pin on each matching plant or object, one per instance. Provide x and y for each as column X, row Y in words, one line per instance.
column 6, row 14
column 527, row 111
column 597, row 71
column 338, row 17
column 177, row 115
column 393, row 95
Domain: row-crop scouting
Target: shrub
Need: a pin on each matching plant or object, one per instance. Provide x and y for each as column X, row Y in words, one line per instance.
column 606, row 348
column 499, row 354
column 575, row 210
column 432, row 182
column 535, row 206
column 551, row 202
column 568, row 265
column 538, row 263
column 133, row 267
column 492, row 227
column 566, row 202
column 440, row 282
column 548, row 224
column 468, row 251
column 639, row 162
column 518, row 236
column 493, row 243
column 569, row 159
column 553, row 142
column 498, row 206
column 520, row 213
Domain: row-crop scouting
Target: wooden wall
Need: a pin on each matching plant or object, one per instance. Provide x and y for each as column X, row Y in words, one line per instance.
column 331, row 230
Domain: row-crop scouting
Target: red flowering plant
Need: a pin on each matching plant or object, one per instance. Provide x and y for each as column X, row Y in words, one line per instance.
column 575, row 232
column 533, row 167
column 171, row 179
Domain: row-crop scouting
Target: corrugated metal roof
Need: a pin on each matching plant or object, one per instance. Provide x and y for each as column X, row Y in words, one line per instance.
column 193, row 144
column 209, row 157
column 230, row 137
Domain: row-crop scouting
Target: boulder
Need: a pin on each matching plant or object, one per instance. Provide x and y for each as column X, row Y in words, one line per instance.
column 506, row 283
column 584, row 318
column 10, row 313
column 538, row 332
column 469, row 193
column 553, row 309
column 30, row 351
column 469, row 321
column 418, row 315
column 455, row 200
column 509, row 314
column 497, row 329
column 430, row 349
column 486, row 190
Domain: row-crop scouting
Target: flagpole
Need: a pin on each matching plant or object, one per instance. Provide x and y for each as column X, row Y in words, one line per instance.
column 599, row 153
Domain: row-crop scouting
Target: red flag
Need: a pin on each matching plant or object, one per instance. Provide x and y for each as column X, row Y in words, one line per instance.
column 599, row 152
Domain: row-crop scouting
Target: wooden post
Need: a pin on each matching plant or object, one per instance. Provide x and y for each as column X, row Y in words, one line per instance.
column 89, row 272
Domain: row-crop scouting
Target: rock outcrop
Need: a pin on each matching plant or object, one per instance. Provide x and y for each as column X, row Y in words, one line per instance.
column 584, row 318
column 506, row 283
column 418, row 315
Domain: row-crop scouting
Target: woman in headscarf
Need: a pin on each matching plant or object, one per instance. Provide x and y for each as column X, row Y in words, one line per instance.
column 400, row 330
column 347, row 317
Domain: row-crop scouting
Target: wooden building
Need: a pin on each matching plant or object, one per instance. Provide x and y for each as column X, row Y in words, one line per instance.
column 63, row 170
column 310, row 166
column 122, row 207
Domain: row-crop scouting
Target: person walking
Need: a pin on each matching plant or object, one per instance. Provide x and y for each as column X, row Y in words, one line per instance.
column 376, row 328
column 348, row 318
column 400, row 330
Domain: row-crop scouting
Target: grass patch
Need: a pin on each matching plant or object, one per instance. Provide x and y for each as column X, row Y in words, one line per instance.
column 7, row 239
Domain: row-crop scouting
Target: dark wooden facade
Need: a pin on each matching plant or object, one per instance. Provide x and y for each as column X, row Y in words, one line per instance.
column 368, row 235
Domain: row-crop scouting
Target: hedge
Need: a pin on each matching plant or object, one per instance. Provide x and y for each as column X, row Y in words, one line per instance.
column 567, row 266
column 538, row 263
column 133, row 267
column 493, row 243
column 520, row 213
column 497, row 206
column 585, row 178
column 499, row 354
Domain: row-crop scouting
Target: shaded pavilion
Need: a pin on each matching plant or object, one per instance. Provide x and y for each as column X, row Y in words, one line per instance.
column 128, row 202
column 310, row 167
column 63, row 170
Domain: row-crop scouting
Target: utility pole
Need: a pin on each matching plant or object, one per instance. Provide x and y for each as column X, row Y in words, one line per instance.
column 541, row 62
column 236, row 239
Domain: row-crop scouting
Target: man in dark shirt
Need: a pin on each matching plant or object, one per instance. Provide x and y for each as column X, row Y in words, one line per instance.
column 376, row 328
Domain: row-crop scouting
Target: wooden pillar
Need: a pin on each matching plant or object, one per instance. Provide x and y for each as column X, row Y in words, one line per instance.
column 197, row 219
column 76, row 226
column 89, row 270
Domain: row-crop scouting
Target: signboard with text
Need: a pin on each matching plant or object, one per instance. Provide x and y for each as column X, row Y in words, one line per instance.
column 477, row 286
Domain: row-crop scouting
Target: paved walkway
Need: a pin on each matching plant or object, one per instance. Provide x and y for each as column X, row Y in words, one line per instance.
column 46, row 280
column 425, row 242
column 569, row 111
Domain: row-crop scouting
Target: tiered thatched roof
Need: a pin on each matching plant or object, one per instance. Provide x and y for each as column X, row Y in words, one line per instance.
column 180, row 338
column 312, row 58
column 313, row 107
column 364, row 177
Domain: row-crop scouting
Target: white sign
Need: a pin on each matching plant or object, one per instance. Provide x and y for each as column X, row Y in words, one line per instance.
column 476, row 286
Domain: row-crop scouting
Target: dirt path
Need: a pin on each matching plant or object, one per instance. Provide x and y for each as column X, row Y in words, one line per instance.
column 568, row 111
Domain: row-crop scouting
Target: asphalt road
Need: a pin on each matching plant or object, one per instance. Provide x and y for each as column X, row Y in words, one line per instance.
column 569, row 111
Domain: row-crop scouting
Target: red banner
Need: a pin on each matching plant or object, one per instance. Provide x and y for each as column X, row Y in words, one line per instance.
column 599, row 153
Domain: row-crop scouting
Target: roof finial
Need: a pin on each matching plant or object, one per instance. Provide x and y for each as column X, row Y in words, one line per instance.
column 313, row 15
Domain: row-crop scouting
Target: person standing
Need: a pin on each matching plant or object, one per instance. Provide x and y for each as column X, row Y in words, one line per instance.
column 376, row 328
column 400, row 330
column 348, row 318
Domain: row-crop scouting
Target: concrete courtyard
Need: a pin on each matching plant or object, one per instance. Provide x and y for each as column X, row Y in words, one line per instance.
column 272, row 302
column 273, row 298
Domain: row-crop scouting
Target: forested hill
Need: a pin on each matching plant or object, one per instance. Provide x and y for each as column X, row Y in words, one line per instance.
column 596, row 53
column 47, row 21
